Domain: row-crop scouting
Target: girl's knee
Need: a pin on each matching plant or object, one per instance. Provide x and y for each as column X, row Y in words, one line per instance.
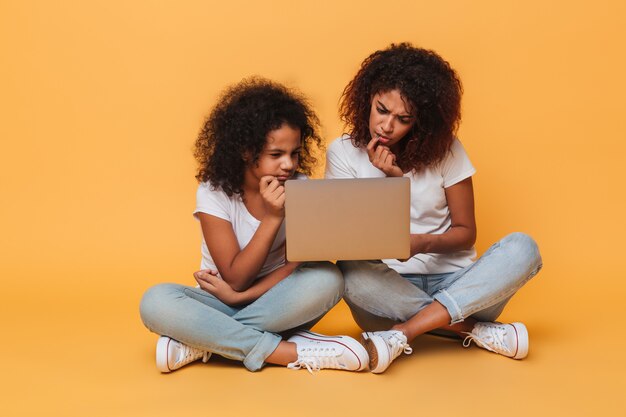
column 154, row 299
column 357, row 275
column 519, row 240
column 524, row 254
column 328, row 279
column 522, row 245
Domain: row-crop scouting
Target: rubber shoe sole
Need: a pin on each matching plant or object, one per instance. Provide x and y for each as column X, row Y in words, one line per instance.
column 162, row 354
column 349, row 343
column 522, row 340
column 378, row 352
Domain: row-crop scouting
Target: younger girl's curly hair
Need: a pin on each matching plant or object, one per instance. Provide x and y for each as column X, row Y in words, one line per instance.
column 235, row 132
column 431, row 89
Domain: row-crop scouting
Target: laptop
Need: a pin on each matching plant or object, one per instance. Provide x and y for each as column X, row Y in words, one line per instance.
column 347, row 219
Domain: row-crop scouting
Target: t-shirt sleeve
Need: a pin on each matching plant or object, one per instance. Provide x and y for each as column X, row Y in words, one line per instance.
column 213, row 202
column 456, row 166
column 337, row 160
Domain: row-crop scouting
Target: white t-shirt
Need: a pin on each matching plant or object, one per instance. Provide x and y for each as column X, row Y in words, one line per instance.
column 218, row 204
column 429, row 207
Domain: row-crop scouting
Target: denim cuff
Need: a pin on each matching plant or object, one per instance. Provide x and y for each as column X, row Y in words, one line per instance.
column 264, row 348
column 456, row 315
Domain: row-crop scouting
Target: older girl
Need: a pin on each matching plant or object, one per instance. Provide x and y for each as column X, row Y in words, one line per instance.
column 403, row 109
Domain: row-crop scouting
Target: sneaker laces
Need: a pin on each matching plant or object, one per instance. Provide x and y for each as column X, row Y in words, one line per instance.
column 399, row 344
column 488, row 337
column 190, row 354
column 314, row 359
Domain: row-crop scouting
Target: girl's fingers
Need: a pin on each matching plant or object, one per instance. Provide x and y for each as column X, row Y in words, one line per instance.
column 280, row 201
column 211, row 279
column 371, row 147
column 208, row 270
column 380, row 155
column 206, row 284
column 202, row 273
column 275, row 194
column 273, row 186
column 389, row 160
column 271, row 189
column 383, row 155
column 384, row 151
column 266, row 182
column 279, row 191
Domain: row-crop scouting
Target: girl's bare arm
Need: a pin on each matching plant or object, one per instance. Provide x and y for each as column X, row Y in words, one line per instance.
column 462, row 232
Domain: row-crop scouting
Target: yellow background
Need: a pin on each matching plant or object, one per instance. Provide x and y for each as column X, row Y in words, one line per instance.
column 100, row 103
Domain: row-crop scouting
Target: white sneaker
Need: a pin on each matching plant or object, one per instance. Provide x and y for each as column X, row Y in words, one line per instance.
column 383, row 347
column 316, row 351
column 506, row 339
column 172, row 354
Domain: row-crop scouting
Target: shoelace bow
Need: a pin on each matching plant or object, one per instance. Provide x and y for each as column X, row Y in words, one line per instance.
column 488, row 337
column 190, row 354
column 314, row 359
column 395, row 341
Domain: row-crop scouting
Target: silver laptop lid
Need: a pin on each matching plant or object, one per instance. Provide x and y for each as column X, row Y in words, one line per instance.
column 347, row 219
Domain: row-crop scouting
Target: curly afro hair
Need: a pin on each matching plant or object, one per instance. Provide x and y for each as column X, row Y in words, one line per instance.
column 238, row 126
column 432, row 90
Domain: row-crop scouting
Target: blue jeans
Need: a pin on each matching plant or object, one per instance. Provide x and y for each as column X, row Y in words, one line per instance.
column 248, row 333
column 379, row 297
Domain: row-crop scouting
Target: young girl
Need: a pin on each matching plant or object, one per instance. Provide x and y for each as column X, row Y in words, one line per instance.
column 259, row 135
column 403, row 109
